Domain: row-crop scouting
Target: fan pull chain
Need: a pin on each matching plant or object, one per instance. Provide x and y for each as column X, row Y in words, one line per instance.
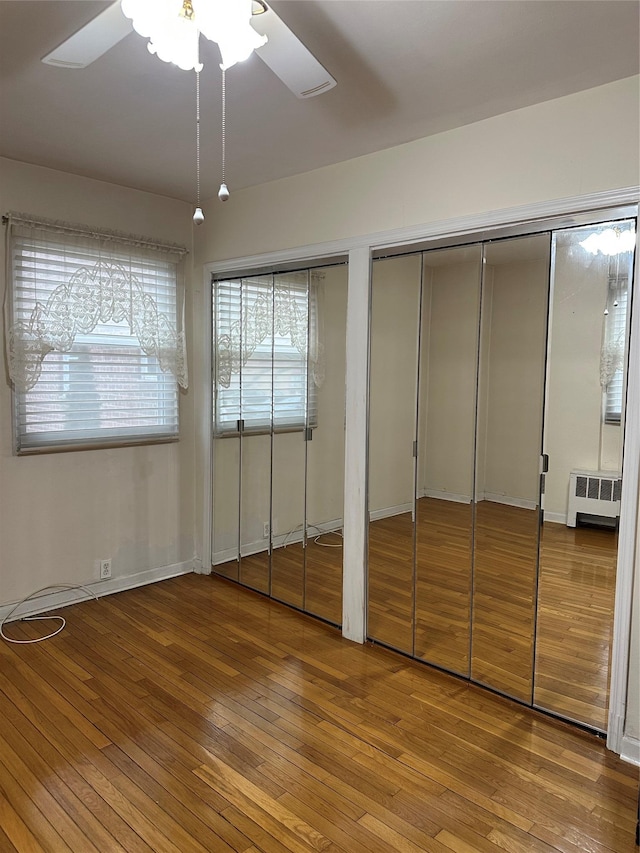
column 223, row 192
column 198, row 216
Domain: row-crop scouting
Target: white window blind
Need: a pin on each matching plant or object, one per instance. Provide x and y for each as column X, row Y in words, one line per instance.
column 615, row 340
column 95, row 346
column 263, row 329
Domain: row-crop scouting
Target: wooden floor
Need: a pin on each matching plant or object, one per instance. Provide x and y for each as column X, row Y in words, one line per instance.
column 308, row 578
column 195, row 715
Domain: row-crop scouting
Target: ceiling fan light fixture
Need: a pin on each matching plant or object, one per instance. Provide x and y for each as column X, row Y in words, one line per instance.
column 173, row 28
column 179, row 46
column 226, row 22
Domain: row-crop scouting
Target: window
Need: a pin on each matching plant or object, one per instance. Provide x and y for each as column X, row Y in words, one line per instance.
column 264, row 328
column 93, row 347
column 612, row 358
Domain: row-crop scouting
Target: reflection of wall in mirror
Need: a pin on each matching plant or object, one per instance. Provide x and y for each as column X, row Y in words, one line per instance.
column 575, row 437
column 395, row 306
column 512, row 382
column 325, row 452
column 448, row 381
column 511, row 386
column 226, row 492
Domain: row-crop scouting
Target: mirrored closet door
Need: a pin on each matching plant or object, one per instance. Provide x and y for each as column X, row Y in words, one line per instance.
column 291, row 419
column 395, row 342
column 446, row 452
column 508, row 443
column 325, row 450
column 227, row 325
column 497, row 388
column 254, row 389
column 583, row 434
column 458, row 341
column 278, row 392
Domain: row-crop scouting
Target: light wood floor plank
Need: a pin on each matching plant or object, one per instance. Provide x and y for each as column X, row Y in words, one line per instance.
column 194, row 715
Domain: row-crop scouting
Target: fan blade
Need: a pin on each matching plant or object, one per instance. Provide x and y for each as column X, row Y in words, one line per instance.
column 289, row 59
column 92, row 40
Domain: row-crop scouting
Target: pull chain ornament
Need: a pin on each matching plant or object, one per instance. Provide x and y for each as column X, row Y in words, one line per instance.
column 198, row 216
column 223, row 192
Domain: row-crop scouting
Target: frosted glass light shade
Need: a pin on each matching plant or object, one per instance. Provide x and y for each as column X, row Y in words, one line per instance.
column 610, row 242
column 174, row 37
column 227, row 23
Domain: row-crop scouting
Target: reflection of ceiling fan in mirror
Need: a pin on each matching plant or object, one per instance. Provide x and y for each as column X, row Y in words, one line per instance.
column 281, row 50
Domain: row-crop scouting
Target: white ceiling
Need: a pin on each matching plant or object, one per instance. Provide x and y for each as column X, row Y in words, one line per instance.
column 405, row 69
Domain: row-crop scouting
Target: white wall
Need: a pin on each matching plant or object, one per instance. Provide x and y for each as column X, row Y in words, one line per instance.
column 556, row 150
column 61, row 512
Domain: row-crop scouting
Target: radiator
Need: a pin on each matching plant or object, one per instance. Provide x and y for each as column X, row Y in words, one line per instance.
column 593, row 493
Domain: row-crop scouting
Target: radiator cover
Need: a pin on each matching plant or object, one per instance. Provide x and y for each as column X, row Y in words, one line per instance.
column 593, row 493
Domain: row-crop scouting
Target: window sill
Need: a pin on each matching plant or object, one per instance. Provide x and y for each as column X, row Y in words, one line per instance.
column 262, row 431
column 97, row 445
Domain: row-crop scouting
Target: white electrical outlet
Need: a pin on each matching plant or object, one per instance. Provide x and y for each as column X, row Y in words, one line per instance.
column 105, row 569
column 266, row 529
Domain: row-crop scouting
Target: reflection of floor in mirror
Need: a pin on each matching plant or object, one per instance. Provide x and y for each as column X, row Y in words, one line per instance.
column 284, row 577
column 323, row 577
column 443, row 558
column 254, row 571
column 504, row 579
column 390, row 581
column 576, row 593
column 576, row 598
column 229, row 570
column 505, row 541
column 287, row 574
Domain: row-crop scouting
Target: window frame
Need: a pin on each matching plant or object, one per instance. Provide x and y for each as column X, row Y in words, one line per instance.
column 307, row 420
column 37, row 249
column 616, row 325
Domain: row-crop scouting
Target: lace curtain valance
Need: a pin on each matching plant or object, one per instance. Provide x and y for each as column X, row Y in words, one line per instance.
column 65, row 280
column 287, row 310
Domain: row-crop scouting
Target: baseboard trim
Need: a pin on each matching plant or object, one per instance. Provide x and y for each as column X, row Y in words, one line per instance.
column 556, row 517
column 509, row 501
column 388, row 511
column 445, row 496
column 280, row 540
column 630, row 750
column 68, row 596
column 224, row 556
column 199, row 568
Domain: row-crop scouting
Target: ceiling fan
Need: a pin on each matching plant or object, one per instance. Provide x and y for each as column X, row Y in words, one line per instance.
column 283, row 52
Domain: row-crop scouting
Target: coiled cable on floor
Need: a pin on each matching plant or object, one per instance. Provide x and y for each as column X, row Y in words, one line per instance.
column 40, row 593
